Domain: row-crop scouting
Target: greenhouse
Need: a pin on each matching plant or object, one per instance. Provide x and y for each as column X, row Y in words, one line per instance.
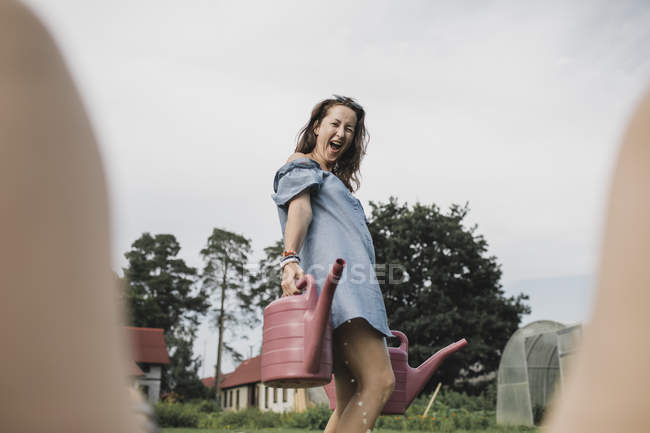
column 533, row 363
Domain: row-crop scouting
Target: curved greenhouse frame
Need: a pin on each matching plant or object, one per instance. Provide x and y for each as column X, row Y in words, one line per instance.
column 532, row 364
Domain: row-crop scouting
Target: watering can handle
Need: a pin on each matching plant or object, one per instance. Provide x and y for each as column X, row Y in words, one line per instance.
column 404, row 342
column 302, row 284
column 307, row 287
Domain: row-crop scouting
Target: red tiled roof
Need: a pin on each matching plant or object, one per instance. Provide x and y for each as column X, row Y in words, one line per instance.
column 148, row 345
column 208, row 381
column 249, row 371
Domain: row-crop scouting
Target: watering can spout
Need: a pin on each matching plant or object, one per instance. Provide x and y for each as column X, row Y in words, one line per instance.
column 418, row 377
column 318, row 315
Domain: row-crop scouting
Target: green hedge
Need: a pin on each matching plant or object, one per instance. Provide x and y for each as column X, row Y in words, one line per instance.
column 451, row 411
column 177, row 415
column 203, row 415
column 453, row 399
column 438, row 421
column 314, row 419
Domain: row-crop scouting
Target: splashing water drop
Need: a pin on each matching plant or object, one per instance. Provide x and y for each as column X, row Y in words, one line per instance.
column 365, row 422
column 352, row 380
column 364, row 413
column 360, row 403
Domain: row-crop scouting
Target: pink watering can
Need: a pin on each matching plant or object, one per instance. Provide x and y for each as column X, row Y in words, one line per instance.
column 297, row 336
column 408, row 381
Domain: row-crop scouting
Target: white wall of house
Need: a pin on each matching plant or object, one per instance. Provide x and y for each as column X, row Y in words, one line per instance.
column 234, row 398
column 275, row 399
column 149, row 384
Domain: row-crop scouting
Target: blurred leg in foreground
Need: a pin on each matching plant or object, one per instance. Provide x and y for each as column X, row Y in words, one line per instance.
column 62, row 358
column 609, row 385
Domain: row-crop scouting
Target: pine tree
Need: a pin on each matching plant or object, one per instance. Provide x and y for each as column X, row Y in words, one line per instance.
column 161, row 293
column 225, row 271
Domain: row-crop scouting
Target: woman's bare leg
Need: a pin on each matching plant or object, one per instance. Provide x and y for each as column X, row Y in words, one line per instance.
column 345, row 387
column 609, row 386
column 366, row 358
column 62, row 356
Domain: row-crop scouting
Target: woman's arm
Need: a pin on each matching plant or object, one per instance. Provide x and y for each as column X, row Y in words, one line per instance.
column 295, row 231
column 298, row 222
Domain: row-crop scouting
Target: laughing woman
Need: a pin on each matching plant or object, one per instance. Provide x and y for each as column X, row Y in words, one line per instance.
column 321, row 220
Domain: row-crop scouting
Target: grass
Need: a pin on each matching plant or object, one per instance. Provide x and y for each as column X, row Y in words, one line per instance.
column 292, row 430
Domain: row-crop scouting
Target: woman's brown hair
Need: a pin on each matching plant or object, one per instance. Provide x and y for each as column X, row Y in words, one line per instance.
column 348, row 165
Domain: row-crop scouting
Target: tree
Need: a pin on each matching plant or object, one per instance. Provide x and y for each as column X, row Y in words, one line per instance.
column 266, row 281
column 184, row 368
column 439, row 285
column 161, row 293
column 226, row 260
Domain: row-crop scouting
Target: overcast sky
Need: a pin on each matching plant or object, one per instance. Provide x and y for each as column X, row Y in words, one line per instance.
column 515, row 107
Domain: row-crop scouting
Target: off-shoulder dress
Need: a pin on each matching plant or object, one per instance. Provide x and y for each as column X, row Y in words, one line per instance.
column 338, row 229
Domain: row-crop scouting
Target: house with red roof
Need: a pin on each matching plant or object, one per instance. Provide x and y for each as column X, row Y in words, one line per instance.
column 243, row 388
column 150, row 355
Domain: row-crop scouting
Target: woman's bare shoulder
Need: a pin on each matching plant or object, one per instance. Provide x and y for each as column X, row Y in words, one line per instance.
column 296, row 156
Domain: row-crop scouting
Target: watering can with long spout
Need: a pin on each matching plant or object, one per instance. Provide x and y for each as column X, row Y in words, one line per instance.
column 408, row 381
column 297, row 335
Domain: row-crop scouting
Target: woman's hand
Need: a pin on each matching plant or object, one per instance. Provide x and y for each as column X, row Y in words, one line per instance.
column 291, row 273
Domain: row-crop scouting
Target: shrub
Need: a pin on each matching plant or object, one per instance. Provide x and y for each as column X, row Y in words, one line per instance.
column 455, row 400
column 318, row 416
column 210, row 421
column 314, row 418
column 258, row 419
column 176, row 415
column 296, row 420
column 206, row 406
column 446, row 425
column 233, row 418
column 446, row 420
column 250, row 418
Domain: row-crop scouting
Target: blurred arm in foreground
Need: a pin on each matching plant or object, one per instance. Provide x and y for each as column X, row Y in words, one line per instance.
column 609, row 384
column 62, row 357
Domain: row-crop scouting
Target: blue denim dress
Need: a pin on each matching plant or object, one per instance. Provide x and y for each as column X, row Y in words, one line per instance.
column 338, row 229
